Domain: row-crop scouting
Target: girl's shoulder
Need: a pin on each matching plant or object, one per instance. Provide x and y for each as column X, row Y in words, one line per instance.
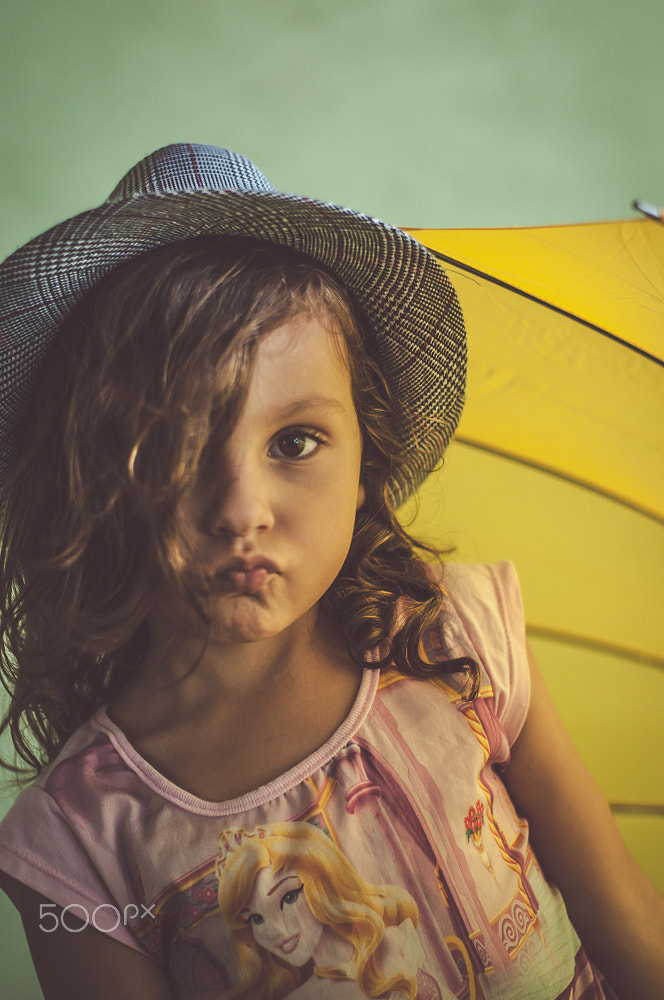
column 485, row 595
column 482, row 619
column 81, row 754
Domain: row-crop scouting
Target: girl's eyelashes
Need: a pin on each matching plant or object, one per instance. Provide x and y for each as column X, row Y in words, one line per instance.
column 290, row 443
column 295, row 442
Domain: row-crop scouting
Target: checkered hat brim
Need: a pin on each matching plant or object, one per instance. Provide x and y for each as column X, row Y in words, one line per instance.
column 187, row 190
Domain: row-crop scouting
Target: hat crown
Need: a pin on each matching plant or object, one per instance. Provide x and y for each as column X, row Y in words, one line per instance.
column 191, row 167
column 188, row 190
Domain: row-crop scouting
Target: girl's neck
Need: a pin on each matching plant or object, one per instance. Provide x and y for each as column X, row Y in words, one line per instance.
column 189, row 664
column 264, row 705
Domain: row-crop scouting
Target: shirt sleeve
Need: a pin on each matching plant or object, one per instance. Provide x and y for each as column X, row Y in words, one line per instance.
column 39, row 848
column 488, row 602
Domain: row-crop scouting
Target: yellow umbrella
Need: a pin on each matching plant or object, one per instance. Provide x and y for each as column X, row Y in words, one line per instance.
column 559, row 465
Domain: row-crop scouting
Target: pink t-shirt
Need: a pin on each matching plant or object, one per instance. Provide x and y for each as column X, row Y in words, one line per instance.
column 389, row 863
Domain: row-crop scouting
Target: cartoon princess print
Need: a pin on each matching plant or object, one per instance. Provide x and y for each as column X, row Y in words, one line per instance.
column 306, row 925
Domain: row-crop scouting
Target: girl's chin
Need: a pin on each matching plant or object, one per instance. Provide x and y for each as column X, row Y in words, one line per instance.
column 242, row 618
column 233, row 617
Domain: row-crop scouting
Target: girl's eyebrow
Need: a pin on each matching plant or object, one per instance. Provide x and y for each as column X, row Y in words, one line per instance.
column 313, row 403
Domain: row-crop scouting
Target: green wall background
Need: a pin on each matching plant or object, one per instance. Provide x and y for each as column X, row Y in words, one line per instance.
column 426, row 113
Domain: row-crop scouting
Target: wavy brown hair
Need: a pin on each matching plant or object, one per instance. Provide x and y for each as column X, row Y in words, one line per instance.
column 146, row 377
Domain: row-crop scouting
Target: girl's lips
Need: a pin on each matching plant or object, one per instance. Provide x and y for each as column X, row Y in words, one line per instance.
column 244, row 581
column 289, row 944
column 244, row 574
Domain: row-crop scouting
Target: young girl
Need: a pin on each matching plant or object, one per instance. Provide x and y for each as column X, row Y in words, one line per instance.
column 213, row 398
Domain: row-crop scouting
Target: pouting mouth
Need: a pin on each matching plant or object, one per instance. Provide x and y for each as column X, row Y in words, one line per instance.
column 243, row 580
column 246, row 564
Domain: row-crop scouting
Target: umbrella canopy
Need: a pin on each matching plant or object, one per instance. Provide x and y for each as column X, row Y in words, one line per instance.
column 558, row 464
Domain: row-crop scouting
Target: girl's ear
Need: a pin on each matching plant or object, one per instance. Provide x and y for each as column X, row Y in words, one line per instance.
column 361, row 495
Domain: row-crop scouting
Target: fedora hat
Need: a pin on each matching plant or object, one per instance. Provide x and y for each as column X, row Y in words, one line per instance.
column 188, row 190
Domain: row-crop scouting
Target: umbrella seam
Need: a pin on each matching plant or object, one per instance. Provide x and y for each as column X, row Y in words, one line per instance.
column 637, row 808
column 596, row 645
column 559, row 474
column 547, row 305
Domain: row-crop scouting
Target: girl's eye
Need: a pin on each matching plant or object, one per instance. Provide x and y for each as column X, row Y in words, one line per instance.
column 294, row 444
column 256, row 918
column 290, row 897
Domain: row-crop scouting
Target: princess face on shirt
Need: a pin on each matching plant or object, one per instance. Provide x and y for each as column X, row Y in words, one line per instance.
column 291, row 897
column 280, row 918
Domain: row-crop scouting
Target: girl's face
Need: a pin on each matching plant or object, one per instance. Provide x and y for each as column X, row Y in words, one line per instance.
column 272, row 524
column 280, row 918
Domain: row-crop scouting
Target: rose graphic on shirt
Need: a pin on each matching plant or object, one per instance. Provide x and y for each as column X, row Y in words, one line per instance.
column 474, row 821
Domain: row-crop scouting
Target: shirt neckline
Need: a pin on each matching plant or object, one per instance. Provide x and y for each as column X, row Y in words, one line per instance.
column 259, row 796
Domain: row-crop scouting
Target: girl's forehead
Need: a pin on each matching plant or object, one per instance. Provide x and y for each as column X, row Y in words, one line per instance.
column 305, row 335
column 301, row 362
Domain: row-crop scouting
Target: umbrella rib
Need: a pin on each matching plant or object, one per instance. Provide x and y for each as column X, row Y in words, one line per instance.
column 547, row 305
column 559, row 474
column 596, row 645
column 637, row 808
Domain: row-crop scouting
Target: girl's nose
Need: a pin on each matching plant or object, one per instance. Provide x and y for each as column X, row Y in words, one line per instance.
column 240, row 504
